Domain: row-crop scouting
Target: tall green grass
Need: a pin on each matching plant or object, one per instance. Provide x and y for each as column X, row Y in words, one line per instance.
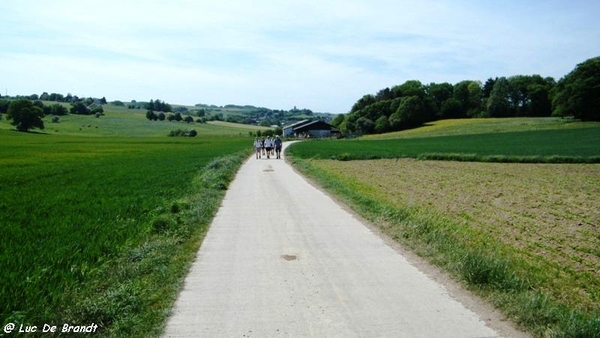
column 102, row 229
column 581, row 145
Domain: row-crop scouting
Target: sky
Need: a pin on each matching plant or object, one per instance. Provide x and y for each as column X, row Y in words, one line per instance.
column 321, row 55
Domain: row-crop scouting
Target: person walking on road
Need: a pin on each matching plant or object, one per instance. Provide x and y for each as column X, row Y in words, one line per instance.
column 268, row 146
column 278, row 143
column 258, row 145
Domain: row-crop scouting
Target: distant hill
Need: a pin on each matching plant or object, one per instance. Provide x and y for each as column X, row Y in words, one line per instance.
column 241, row 114
column 248, row 114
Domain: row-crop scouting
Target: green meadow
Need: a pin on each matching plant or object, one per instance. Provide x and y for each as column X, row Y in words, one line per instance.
column 101, row 217
column 554, row 141
column 120, row 121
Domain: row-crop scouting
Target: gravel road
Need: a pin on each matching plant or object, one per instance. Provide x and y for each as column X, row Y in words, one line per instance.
column 282, row 259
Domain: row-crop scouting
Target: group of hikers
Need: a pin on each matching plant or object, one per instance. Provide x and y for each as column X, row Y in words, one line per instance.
column 266, row 146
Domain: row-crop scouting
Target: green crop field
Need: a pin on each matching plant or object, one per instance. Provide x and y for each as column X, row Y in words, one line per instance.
column 100, row 217
column 578, row 143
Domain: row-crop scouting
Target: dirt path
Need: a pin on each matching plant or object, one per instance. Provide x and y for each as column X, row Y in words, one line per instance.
column 282, row 259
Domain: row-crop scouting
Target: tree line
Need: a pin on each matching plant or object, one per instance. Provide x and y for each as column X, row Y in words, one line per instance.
column 412, row 103
column 161, row 116
column 158, row 105
column 56, row 97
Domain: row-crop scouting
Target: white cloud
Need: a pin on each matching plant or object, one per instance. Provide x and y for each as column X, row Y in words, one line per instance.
column 314, row 54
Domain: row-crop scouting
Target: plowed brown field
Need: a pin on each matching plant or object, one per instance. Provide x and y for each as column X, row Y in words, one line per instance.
column 548, row 212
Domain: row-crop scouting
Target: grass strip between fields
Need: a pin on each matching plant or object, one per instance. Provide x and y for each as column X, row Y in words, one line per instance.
column 132, row 295
column 482, row 263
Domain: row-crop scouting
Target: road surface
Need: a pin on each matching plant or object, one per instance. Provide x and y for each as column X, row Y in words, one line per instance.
column 282, row 259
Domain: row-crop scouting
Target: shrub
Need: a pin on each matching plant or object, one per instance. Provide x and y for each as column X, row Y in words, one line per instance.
column 181, row 132
column 162, row 223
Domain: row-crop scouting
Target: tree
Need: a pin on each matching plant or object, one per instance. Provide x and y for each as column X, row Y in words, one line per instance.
column 4, row 106
column 57, row 109
column 439, row 93
column 158, row 105
column 451, row 109
column 487, row 87
column 409, row 88
column 382, row 124
column 338, row 120
column 350, row 122
column 410, row 113
column 539, row 100
column 365, row 125
column 363, row 102
column 79, row 108
column 498, row 104
column 150, row 115
column 395, row 121
column 578, row 93
column 56, row 97
column 474, row 103
column 468, row 93
column 384, row 94
column 25, row 115
column 97, row 110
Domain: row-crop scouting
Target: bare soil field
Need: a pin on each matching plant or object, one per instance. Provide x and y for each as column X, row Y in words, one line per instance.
column 548, row 213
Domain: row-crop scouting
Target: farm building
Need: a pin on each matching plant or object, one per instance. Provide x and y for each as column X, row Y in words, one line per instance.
column 289, row 129
column 309, row 128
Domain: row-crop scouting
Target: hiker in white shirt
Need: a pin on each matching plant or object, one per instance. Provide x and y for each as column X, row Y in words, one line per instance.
column 268, row 146
column 258, row 145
